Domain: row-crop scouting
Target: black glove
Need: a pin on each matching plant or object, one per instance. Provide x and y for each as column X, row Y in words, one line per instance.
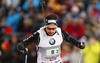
column 81, row 45
column 21, row 48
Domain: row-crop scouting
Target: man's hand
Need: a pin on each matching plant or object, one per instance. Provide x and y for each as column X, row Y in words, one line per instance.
column 22, row 49
column 82, row 45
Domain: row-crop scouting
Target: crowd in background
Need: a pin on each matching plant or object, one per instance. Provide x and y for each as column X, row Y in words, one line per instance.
column 20, row 18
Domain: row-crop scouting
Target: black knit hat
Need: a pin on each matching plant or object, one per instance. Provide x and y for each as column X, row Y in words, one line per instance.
column 51, row 19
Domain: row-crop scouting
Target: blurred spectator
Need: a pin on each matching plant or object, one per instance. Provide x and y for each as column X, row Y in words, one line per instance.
column 66, row 52
column 39, row 20
column 6, row 45
column 93, row 4
column 74, row 28
column 54, row 5
column 3, row 15
column 14, row 52
column 63, row 14
column 23, row 16
column 92, row 28
column 33, row 16
column 69, row 4
column 3, row 7
column 13, row 20
column 79, row 4
column 91, row 51
column 8, row 2
column 6, row 56
column 95, row 7
column 30, row 4
column 27, row 26
column 22, row 2
column 74, row 13
column 8, row 30
column 2, row 23
column 32, row 57
column 74, row 58
column 67, row 25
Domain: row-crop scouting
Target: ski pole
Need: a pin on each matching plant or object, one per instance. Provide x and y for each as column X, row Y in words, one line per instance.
column 42, row 5
column 26, row 55
column 80, row 55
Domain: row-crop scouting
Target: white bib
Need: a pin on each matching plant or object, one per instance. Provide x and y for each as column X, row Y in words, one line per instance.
column 49, row 47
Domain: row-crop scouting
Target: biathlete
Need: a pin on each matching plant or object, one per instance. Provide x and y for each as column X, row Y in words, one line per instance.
column 48, row 40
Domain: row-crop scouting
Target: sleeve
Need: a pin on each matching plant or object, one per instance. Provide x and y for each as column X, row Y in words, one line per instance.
column 34, row 38
column 70, row 39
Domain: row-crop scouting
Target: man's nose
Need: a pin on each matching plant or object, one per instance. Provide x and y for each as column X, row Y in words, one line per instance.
column 51, row 30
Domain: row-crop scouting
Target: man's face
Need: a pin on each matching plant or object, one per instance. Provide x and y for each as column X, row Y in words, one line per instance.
column 51, row 29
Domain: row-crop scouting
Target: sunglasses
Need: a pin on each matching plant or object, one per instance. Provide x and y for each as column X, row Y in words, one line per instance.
column 51, row 28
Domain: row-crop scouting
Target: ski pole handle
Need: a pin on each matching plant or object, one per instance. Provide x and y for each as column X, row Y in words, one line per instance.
column 80, row 55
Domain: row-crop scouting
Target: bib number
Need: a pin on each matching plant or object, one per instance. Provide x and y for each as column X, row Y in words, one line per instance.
column 51, row 52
